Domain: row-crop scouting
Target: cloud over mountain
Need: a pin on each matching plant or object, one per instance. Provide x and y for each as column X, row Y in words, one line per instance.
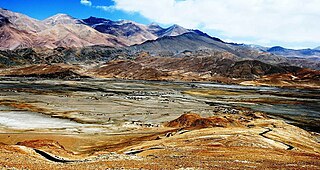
column 268, row 21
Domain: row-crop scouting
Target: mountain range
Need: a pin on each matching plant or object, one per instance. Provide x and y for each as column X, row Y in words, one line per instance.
column 146, row 51
column 62, row 30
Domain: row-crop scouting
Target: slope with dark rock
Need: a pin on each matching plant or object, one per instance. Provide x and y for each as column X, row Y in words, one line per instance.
column 44, row 71
column 134, row 33
column 87, row 55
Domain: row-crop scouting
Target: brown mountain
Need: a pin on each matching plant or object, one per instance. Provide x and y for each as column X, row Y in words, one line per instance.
column 60, row 30
column 23, row 22
column 13, row 38
column 75, row 35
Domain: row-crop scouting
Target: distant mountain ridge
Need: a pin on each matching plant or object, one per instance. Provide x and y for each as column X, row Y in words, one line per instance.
column 313, row 55
column 67, row 31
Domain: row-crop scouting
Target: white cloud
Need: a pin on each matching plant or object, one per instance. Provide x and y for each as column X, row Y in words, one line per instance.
column 258, row 20
column 86, row 2
column 105, row 8
column 89, row 3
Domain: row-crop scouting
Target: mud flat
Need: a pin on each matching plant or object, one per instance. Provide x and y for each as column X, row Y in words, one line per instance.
column 99, row 124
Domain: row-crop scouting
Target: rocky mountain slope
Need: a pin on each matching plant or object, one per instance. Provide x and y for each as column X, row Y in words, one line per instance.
column 62, row 30
column 23, row 22
column 10, row 37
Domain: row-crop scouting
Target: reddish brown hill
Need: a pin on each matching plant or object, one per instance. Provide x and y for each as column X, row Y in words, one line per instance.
column 192, row 120
column 185, row 120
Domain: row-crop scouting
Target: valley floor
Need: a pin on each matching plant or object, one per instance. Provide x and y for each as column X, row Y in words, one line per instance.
column 100, row 124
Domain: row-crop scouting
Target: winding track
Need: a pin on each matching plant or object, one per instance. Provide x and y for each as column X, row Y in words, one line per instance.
column 52, row 158
column 290, row 147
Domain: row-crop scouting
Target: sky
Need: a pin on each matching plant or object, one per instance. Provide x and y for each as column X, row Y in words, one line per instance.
column 287, row 23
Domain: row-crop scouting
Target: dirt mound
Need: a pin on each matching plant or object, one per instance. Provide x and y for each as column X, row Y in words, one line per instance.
column 185, row 120
column 192, row 120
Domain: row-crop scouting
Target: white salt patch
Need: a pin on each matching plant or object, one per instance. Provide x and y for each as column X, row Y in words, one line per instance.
column 29, row 120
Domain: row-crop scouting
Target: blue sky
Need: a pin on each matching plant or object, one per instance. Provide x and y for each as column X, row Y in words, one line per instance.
column 41, row 9
column 288, row 23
